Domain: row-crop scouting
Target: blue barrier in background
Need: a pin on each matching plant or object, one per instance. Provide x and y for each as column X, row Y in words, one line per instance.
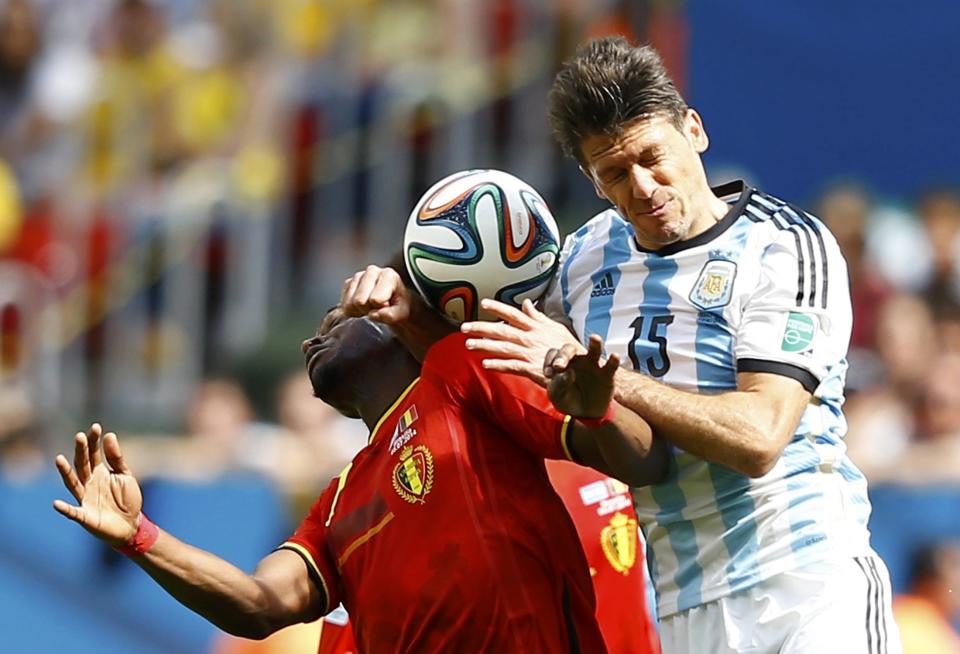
column 908, row 517
column 64, row 591
column 803, row 91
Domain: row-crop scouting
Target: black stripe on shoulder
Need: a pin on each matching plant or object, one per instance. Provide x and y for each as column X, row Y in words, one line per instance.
column 812, row 226
column 804, row 223
column 756, row 213
column 802, row 375
column 780, row 208
column 766, row 210
column 768, row 202
column 795, row 220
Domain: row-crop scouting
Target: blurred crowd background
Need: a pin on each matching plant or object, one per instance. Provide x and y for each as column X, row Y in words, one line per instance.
column 184, row 185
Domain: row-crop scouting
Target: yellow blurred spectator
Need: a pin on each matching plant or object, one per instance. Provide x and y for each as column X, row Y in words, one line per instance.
column 295, row 638
column 127, row 128
column 10, row 209
column 922, row 629
column 206, row 107
column 305, row 27
column 258, row 172
column 924, row 615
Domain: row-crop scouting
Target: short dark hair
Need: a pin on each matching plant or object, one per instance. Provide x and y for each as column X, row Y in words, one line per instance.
column 606, row 85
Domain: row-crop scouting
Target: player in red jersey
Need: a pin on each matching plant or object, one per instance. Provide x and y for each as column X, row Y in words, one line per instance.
column 602, row 511
column 443, row 535
column 336, row 634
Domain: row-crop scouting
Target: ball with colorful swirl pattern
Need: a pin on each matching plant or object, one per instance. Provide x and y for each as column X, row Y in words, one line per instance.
column 480, row 234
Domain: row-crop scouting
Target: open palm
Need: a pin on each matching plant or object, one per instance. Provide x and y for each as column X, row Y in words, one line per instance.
column 108, row 494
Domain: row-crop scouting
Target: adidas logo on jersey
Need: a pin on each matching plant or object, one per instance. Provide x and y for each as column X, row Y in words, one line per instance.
column 604, row 286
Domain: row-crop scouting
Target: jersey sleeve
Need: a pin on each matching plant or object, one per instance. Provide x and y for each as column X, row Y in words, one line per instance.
column 580, row 258
column 310, row 542
column 516, row 405
column 797, row 322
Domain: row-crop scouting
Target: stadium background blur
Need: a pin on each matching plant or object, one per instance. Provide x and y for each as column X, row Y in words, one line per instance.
column 184, row 184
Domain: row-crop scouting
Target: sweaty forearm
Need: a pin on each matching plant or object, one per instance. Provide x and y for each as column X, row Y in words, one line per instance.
column 736, row 429
column 213, row 588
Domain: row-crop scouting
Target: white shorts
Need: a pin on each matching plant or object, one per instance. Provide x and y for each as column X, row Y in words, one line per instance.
column 841, row 606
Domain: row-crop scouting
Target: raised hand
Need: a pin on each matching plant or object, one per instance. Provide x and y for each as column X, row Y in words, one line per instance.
column 378, row 293
column 108, row 494
column 520, row 344
column 580, row 384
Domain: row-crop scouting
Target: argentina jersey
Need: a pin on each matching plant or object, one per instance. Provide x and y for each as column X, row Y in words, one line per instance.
column 763, row 290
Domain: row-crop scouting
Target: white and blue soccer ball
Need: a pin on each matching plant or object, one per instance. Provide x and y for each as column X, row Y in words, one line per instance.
column 480, row 234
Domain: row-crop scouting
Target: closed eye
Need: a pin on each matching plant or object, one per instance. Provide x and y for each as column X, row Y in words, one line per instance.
column 613, row 176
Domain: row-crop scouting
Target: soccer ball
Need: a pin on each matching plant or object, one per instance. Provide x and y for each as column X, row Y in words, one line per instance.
column 480, row 234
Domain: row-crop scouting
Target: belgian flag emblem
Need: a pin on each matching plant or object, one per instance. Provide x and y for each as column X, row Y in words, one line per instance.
column 408, row 418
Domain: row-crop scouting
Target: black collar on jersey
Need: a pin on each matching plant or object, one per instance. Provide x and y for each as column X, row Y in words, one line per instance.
column 715, row 230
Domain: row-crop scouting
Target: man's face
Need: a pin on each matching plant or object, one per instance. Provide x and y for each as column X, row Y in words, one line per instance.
column 341, row 354
column 652, row 173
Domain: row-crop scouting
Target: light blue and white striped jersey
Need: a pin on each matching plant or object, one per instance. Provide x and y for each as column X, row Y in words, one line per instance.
column 763, row 290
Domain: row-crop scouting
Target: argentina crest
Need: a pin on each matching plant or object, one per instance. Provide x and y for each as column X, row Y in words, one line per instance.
column 714, row 286
column 619, row 543
column 413, row 475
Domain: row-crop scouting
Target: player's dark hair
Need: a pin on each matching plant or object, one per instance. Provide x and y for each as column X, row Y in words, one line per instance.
column 605, row 86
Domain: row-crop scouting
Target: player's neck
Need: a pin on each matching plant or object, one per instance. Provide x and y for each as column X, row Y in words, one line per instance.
column 393, row 378
column 717, row 208
column 710, row 211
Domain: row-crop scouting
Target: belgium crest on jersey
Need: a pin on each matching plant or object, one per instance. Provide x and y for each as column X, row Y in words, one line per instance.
column 413, row 475
column 714, row 286
column 619, row 542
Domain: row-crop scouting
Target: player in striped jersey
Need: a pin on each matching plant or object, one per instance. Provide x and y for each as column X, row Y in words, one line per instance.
column 732, row 308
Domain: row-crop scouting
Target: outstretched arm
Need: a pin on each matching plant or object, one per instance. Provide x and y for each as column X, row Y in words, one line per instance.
column 623, row 446
column 278, row 593
column 380, row 294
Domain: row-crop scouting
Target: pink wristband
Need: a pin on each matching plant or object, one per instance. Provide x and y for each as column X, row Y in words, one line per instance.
column 601, row 421
column 144, row 538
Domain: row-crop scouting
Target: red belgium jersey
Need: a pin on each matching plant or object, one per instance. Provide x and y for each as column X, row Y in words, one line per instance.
column 602, row 510
column 444, row 534
column 336, row 634
column 603, row 513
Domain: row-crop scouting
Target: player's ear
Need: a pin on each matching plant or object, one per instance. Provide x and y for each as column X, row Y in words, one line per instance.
column 694, row 131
